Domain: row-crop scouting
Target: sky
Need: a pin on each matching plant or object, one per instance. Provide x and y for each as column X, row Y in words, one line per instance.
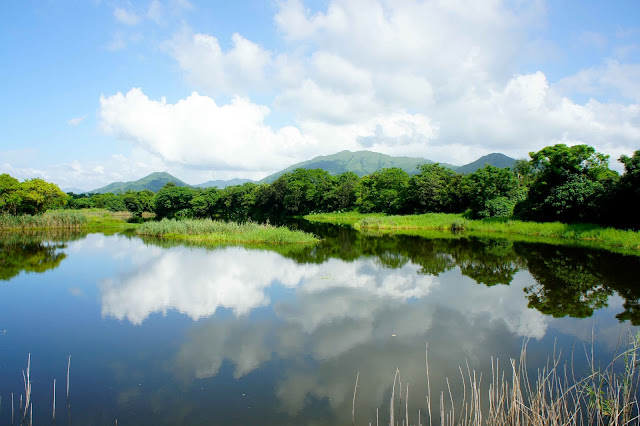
column 96, row 91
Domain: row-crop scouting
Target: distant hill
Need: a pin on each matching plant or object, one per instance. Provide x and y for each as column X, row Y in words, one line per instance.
column 153, row 182
column 360, row 162
column 495, row 159
column 221, row 184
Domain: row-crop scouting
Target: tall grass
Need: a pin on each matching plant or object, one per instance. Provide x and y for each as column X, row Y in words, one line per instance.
column 207, row 230
column 608, row 237
column 553, row 397
column 54, row 219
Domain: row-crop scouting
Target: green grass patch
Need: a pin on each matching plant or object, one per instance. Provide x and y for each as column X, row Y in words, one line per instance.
column 214, row 231
column 627, row 242
column 85, row 219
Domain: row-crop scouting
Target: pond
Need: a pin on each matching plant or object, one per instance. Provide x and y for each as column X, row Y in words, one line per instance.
column 162, row 333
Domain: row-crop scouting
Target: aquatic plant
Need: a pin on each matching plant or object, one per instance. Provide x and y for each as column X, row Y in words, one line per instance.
column 207, row 230
column 605, row 396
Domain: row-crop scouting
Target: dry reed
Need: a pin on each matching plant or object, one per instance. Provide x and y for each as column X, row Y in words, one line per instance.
column 553, row 396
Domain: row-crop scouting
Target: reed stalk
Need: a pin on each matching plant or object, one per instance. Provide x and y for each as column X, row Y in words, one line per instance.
column 54, row 400
column 553, row 396
column 68, row 368
column 353, row 407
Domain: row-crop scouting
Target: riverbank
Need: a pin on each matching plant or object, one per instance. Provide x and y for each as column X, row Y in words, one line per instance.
column 214, row 231
column 627, row 242
column 86, row 220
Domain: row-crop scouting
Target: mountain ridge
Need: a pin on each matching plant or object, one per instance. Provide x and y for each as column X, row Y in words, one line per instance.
column 359, row 162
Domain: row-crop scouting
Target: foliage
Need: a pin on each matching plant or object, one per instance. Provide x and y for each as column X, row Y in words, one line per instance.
column 492, row 192
column 383, row 191
column 434, row 189
column 33, row 196
column 213, row 231
column 566, row 180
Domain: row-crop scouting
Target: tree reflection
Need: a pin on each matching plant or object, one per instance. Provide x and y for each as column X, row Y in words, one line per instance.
column 28, row 253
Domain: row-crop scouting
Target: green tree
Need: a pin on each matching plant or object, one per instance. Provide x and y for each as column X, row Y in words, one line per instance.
column 10, row 195
column 492, row 192
column 626, row 204
column 575, row 168
column 38, row 196
column 383, row 191
column 343, row 193
column 173, row 201
column 434, row 189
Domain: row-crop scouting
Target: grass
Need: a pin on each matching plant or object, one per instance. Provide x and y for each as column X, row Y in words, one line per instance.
column 86, row 219
column 213, row 231
column 627, row 242
column 554, row 396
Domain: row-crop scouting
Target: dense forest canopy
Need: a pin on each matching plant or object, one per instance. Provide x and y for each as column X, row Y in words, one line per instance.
column 559, row 183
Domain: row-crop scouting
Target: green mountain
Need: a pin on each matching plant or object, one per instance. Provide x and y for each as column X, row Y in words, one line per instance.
column 221, row 184
column 495, row 159
column 153, row 182
column 360, row 162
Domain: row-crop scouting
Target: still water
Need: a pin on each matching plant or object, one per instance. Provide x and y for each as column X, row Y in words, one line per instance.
column 167, row 334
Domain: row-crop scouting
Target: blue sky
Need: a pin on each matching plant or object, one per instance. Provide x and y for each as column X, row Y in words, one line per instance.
column 98, row 91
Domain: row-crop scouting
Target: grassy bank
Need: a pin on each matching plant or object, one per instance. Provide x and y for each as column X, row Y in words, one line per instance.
column 86, row 219
column 627, row 241
column 213, row 231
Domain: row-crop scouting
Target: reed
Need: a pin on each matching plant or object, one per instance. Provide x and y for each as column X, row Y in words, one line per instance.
column 54, row 219
column 68, row 368
column 552, row 397
column 214, row 231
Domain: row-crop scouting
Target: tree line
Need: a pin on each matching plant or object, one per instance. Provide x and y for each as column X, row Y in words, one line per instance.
column 559, row 183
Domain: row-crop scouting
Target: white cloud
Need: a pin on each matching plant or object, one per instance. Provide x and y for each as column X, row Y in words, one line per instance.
column 126, row 17
column 196, row 131
column 218, row 71
column 439, row 80
column 76, row 120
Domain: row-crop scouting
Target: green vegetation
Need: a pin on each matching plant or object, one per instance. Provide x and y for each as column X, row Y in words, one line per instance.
column 33, row 196
column 54, row 219
column 213, row 231
column 609, row 237
column 572, row 185
column 86, row 219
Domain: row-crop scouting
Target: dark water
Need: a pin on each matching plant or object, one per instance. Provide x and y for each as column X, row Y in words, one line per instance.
column 162, row 334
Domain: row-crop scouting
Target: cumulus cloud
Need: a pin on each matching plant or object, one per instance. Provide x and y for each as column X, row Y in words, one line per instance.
column 440, row 80
column 198, row 132
column 218, row 71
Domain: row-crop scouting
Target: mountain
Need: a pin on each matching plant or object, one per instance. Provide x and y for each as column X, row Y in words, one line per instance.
column 221, row 184
column 495, row 159
column 360, row 162
column 153, row 182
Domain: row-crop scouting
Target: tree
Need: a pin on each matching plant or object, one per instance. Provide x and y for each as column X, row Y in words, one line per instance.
column 492, row 192
column 173, row 201
column 626, row 203
column 38, row 196
column 434, row 189
column 10, row 197
column 342, row 195
column 560, row 165
column 383, row 191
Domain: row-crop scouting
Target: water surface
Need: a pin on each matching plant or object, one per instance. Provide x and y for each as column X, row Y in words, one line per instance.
column 166, row 334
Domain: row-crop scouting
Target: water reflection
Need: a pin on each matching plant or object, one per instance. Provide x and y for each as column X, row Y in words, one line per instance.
column 257, row 336
column 31, row 252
